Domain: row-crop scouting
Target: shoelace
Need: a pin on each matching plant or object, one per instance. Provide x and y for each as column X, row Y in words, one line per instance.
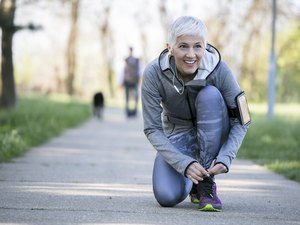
column 206, row 187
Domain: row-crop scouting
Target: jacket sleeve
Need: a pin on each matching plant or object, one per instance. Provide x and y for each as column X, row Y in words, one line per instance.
column 151, row 105
column 229, row 88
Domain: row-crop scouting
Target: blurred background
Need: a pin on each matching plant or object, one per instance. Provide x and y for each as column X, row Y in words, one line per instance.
column 78, row 47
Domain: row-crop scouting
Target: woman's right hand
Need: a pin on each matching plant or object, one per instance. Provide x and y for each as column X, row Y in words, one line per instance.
column 195, row 172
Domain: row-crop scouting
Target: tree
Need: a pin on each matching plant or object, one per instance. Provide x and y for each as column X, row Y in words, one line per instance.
column 164, row 18
column 107, row 44
column 272, row 66
column 71, row 48
column 7, row 14
column 142, row 20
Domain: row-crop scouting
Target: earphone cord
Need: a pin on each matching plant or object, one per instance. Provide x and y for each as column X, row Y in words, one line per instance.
column 181, row 82
column 174, row 76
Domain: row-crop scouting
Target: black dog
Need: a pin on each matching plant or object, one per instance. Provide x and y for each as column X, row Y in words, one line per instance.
column 98, row 105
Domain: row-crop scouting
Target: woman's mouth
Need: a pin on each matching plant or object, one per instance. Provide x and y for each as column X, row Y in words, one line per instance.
column 190, row 61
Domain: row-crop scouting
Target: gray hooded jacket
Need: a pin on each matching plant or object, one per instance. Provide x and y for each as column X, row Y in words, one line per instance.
column 166, row 112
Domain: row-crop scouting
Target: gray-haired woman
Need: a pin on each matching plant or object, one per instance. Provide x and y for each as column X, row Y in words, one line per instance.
column 195, row 116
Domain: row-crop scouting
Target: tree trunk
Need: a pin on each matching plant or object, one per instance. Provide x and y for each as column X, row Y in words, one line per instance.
column 8, row 92
column 164, row 18
column 71, row 49
column 107, row 42
column 272, row 67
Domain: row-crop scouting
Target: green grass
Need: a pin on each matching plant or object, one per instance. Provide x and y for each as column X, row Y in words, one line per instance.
column 36, row 120
column 274, row 143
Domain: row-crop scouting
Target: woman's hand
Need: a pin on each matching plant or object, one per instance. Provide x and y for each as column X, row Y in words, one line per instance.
column 195, row 172
column 216, row 169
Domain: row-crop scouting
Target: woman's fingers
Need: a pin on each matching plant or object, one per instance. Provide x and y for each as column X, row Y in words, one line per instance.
column 217, row 169
column 212, row 164
column 195, row 181
column 196, row 172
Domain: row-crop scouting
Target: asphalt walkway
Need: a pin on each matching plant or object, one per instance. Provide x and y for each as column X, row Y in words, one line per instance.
column 100, row 173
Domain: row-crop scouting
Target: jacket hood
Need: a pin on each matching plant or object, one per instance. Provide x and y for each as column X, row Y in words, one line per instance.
column 209, row 62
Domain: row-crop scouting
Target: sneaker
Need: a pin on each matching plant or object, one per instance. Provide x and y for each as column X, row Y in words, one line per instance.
column 209, row 200
column 194, row 196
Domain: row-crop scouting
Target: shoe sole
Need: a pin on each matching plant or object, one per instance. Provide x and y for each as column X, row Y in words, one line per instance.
column 209, row 208
column 195, row 201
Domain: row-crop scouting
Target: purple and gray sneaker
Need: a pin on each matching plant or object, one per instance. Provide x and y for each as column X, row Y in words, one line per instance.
column 209, row 200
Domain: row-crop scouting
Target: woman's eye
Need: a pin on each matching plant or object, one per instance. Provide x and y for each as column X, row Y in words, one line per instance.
column 198, row 46
column 182, row 46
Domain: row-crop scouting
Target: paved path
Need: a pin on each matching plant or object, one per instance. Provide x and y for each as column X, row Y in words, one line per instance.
column 100, row 173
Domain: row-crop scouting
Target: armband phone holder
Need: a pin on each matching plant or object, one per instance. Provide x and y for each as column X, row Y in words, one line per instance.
column 244, row 113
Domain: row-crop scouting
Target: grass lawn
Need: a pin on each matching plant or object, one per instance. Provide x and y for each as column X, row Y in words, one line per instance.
column 36, row 120
column 274, row 143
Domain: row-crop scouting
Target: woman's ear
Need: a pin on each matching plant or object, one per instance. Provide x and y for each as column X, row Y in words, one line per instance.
column 169, row 48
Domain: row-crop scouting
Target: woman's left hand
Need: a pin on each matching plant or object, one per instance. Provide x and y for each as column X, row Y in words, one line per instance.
column 216, row 169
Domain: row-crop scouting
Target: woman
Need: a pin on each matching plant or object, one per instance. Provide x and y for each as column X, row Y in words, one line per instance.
column 191, row 116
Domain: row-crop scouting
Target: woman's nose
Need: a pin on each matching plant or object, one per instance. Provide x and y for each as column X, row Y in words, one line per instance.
column 190, row 53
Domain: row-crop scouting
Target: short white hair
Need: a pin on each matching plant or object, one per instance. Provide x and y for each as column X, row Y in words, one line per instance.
column 187, row 25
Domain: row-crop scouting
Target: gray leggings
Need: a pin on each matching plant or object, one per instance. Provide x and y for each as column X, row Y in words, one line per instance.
column 203, row 143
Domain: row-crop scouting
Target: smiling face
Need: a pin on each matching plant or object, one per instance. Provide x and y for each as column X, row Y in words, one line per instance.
column 188, row 52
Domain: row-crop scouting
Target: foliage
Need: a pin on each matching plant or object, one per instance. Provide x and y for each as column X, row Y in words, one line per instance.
column 288, row 65
column 255, row 69
column 35, row 120
column 275, row 143
column 246, row 46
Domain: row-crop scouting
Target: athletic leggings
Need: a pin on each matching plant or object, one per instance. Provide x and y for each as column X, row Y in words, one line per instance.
column 203, row 143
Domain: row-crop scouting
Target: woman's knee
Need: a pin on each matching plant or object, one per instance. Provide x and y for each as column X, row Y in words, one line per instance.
column 209, row 95
column 168, row 184
column 169, row 192
column 167, row 198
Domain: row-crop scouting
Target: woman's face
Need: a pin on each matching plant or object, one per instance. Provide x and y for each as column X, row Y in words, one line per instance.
column 188, row 52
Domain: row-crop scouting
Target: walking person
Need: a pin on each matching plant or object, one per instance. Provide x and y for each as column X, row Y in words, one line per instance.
column 131, row 83
column 195, row 116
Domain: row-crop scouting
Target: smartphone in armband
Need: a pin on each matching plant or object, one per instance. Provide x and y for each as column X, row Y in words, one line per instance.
column 243, row 109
